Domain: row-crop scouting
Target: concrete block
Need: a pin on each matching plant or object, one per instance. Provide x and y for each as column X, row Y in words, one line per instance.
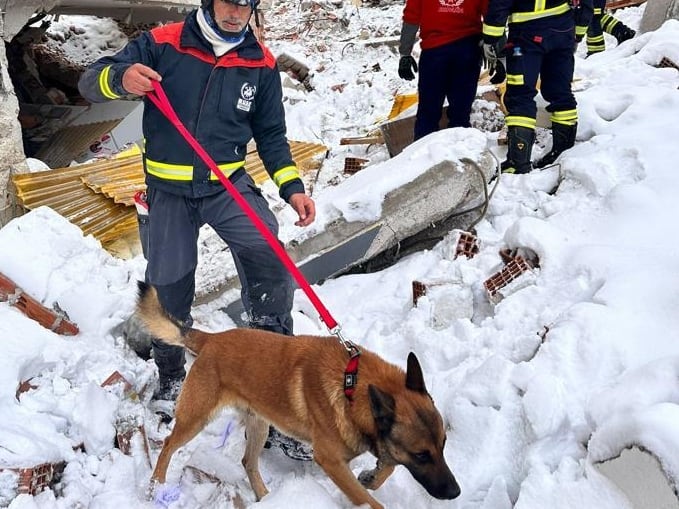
column 640, row 476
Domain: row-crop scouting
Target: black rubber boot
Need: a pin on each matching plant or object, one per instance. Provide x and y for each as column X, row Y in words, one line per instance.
column 520, row 141
column 291, row 447
column 563, row 138
column 622, row 32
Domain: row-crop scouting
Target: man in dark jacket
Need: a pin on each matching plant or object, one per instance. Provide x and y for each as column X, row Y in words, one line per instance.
column 450, row 61
column 226, row 89
column 541, row 40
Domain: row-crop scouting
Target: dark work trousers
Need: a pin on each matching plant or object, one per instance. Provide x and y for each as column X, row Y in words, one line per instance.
column 547, row 54
column 595, row 32
column 172, row 254
column 450, row 71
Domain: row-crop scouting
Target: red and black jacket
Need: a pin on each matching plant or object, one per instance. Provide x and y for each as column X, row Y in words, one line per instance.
column 224, row 102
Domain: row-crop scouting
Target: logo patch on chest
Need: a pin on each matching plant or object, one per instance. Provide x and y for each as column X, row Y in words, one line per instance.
column 247, row 95
column 454, row 6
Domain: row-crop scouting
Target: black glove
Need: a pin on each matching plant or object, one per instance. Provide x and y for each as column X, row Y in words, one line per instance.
column 407, row 67
column 500, row 73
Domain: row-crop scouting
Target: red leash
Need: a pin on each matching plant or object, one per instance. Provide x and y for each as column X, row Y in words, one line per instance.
column 160, row 100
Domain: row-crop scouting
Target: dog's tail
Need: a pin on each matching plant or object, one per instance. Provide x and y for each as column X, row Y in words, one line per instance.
column 155, row 319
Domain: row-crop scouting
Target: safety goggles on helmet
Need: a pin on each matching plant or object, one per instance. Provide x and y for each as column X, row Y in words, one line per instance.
column 241, row 3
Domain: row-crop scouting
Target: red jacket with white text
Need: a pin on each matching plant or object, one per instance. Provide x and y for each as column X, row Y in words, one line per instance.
column 444, row 21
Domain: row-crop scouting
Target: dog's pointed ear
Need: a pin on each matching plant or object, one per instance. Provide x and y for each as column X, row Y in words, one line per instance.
column 383, row 407
column 414, row 377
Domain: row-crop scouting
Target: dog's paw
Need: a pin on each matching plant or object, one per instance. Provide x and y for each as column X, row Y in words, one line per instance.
column 165, row 495
column 162, row 494
column 151, row 490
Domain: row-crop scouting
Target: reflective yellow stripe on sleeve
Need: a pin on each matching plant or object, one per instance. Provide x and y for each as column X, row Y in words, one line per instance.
column 104, row 86
column 493, row 31
column 285, row 175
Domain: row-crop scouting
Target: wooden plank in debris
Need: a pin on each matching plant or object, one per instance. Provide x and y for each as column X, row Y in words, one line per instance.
column 377, row 42
column 363, row 140
column 612, row 5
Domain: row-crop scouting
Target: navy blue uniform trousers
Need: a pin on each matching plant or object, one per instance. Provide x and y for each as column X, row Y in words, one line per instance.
column 170, row 246
column 546, row 53
column 450, row 71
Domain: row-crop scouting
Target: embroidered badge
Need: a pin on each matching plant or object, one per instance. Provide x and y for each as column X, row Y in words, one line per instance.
column 455, row 6
column 247, row 95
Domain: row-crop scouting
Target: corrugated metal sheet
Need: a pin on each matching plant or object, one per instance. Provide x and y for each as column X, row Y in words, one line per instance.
column 71, row 141
column 98, row 197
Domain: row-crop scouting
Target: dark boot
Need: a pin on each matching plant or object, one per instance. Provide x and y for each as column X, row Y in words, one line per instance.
column 563, row 138
column 168, row 388
column 622, row 32
column 171, row 373
column 520, row 141
column 170, row 361
column 291, row 447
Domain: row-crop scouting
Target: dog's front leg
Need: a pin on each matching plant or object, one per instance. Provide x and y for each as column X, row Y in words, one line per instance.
column 373, row 479
column 256, row 431
column 338, row 470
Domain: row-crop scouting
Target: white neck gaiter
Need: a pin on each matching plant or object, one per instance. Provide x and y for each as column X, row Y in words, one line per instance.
column 219, row 45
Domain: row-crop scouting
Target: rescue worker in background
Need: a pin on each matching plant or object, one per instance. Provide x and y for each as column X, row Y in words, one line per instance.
column 226, row 88
column 542, row 37
column 604, row 22
column 450, row 60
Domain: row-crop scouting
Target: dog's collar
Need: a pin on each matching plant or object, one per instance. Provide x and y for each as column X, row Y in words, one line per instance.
column 351, row 371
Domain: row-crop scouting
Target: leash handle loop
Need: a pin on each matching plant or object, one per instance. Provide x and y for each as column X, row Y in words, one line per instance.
column 160, row 100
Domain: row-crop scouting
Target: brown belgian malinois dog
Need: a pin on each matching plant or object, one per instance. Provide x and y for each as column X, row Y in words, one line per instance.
column 297, row 384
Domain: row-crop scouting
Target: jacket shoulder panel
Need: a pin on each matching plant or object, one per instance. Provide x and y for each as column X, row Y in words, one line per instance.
column 168, row 34
column 171, row 35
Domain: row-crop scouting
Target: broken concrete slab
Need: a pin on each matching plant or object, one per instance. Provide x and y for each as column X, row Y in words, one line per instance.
column 406, row 210
column 656, row 13
column 640, row 476
column 418, row 191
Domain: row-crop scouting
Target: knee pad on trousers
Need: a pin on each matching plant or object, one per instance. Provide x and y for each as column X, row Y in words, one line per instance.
column 267, row 290
column 281, row 324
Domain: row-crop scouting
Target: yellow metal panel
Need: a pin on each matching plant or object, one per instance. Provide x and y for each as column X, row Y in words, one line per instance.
column 98, row 197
